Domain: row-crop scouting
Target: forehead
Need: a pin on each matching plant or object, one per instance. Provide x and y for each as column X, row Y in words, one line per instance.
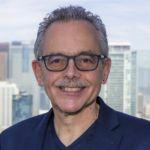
column 70, row 38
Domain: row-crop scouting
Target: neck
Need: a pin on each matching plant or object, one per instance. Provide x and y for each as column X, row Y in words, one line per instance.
column 69, row 127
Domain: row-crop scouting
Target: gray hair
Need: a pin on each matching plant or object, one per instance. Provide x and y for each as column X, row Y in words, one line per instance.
column 71, row 13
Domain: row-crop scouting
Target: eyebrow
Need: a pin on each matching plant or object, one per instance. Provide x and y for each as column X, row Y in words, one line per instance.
column 80, row 53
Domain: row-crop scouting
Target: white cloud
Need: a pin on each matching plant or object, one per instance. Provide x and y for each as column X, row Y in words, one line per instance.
column 145, row 28
column 20, row 19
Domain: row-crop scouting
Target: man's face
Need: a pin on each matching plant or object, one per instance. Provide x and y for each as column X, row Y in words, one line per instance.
column 71, row 38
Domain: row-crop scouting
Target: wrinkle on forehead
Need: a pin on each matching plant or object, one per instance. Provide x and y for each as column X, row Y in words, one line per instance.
column 75, row 53
column 70, row 36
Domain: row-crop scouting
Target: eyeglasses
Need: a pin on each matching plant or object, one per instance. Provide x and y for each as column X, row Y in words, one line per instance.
column 85, row 62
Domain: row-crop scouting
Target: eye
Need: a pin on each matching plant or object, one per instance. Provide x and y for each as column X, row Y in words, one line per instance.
column 55, row 61
column 86, row 60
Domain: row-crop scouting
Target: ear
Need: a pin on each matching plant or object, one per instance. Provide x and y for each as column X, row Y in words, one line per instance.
column 106, row 70
column 37, row 72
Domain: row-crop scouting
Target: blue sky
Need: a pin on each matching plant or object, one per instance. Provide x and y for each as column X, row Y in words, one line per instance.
column 126, row 21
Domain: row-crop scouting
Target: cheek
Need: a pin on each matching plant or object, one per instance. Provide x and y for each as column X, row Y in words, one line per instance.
column 97, row 83
column 94, row 78
column 98, row 74
column 49, row 79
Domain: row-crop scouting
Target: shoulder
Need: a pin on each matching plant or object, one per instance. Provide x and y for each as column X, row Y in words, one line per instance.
column 118, row 120
column 19, row 134
column 135, row 131
column 25, row 132
column 133, row 127
column 134, row 122
column 25, row 126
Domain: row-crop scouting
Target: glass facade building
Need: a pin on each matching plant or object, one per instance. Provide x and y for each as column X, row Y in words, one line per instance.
column 44, row 100
column 134, row 84
column 7, row 90
column 120, row 92
column 22, row 73
column 21, row 107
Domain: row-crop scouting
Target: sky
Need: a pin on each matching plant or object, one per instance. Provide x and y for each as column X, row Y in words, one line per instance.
column 125, row 20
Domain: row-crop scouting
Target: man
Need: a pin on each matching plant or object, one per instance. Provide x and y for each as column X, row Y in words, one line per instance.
column 71, row 63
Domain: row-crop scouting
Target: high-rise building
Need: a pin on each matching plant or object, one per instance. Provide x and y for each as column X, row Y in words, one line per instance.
column 120, row 92
column 144, row 77
column 4, row 61
column 140, row 103
column 3, row 66
column 22, row 107
column 134, row 83
column 22, row 74
column 45, row 103
column 44, row 100
column 7, row 90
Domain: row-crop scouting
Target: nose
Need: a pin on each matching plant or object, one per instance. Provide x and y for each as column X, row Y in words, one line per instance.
column 71, row 71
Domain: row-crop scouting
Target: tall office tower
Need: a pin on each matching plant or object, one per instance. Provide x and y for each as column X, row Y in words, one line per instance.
column 144, row 78
column 7, row 90
column 120, row 92
column 45, row 103
column 134, row 83
column 140, row 103
column 22, row 73
column 22, row 107
column 3, row 66
column 4, row 61
column 44, row 100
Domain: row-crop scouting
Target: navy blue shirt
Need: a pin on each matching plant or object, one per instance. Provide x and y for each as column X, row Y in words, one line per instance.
column 52, row 141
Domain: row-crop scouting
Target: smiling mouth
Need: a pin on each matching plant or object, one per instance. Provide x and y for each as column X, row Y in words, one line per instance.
column 71, row 89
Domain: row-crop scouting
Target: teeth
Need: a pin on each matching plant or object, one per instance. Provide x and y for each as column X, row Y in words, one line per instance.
column 71, row 89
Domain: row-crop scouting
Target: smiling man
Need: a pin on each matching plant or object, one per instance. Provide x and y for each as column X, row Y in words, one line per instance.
column 71, row 63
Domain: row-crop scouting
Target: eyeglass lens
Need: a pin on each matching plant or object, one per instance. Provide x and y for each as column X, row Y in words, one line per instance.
column 86, row 62
column 83, row 62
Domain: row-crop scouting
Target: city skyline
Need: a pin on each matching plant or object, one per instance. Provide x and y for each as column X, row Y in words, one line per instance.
column 21, row 75
column 126, row 21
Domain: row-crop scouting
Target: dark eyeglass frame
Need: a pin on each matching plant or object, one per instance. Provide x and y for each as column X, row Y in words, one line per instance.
column 72, row 57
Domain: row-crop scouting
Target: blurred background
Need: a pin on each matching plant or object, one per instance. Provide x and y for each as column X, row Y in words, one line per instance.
column 128, row 29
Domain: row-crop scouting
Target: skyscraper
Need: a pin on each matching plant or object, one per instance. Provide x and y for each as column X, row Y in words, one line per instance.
column 140, row 103
column 44, row 100
column 4, row 61
column 22, row 107
column 134, row 83
column 3, row 66
column 7, row 90
column 120, row 92
column 22, row 73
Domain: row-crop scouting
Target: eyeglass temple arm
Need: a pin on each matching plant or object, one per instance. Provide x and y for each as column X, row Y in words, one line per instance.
column 40, row 58
column 102, row 56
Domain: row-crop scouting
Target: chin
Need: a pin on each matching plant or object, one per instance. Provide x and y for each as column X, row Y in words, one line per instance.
column 72, row 109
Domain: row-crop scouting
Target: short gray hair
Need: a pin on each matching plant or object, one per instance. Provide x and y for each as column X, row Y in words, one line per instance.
column 71, row 13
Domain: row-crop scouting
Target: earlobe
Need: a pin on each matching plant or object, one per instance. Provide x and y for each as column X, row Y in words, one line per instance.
column 103, row 81
column 37, row 72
